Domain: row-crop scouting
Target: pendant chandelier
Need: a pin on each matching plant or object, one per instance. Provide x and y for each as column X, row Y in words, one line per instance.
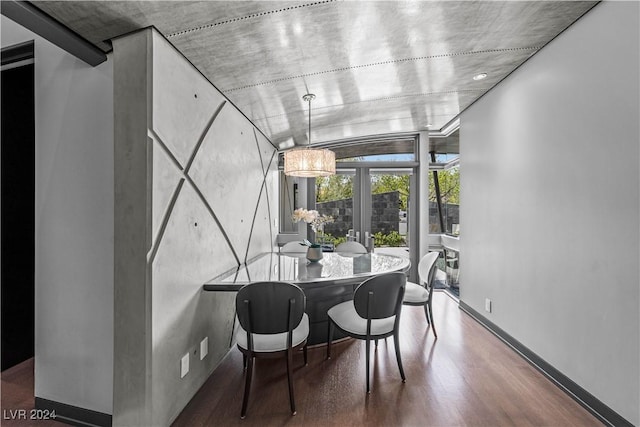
column 309, row 162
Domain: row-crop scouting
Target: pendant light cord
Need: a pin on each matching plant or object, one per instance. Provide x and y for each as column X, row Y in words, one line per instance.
column 308, row 97
column 309, row 143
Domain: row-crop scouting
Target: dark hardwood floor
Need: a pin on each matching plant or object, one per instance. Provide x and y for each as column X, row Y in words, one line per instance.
column 17, row 398
column 467, row 377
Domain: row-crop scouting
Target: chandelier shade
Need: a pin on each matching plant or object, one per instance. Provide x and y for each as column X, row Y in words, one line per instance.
column 309, row 162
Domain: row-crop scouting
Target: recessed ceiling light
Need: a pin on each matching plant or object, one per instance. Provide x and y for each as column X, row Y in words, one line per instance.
column 480, row 76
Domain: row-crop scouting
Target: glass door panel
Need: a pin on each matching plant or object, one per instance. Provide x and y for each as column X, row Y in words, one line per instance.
column 334, row 198
column 371, row 206
column 388, row 210
column 452, row 269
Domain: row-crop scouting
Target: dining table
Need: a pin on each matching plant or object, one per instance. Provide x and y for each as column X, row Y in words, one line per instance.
column 325, row 283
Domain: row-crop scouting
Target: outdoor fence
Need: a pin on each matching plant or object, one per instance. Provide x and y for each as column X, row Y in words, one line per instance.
column 385, row 216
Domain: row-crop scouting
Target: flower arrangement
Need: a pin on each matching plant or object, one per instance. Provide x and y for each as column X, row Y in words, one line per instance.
column 313, row 218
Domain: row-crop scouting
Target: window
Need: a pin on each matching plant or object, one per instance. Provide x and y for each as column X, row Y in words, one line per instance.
column 449, row 190
column 381, row 158
column 386, row 150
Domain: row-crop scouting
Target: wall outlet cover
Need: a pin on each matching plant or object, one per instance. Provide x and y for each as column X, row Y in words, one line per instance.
column 487, row 305
column 204, row 347
column 184, row 365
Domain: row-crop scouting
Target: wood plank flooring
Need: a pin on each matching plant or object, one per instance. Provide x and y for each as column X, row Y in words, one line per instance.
column 17, row 394
column 467, row 377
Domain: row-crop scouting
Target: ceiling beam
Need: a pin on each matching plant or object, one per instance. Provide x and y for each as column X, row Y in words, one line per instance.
column 32, row 18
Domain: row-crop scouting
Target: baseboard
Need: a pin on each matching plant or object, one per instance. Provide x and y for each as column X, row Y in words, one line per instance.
column 72, row 414
column 601, row 411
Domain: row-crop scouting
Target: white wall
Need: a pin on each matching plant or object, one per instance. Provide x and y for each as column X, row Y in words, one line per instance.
column 74, row 225
column 550, row 205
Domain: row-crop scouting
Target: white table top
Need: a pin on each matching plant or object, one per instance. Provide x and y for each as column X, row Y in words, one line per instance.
column 294, row 267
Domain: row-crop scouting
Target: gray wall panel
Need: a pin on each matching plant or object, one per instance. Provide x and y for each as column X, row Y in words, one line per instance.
column 166, row 177
column 182, row 107
column 228, row 171
column 206, row 180
column 190, row 253
column 132, row 233
column 261, row 236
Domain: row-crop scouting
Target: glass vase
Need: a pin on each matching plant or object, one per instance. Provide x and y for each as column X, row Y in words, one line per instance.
column 314, row 253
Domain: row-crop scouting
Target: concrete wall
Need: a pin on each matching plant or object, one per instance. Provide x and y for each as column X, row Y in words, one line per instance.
column 385, row 216
column 195, row 196
column 74, row 225
column 550, row 205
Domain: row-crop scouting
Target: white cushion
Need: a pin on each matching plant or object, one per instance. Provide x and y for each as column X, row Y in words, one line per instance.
column 345, row 316
column 414, row 293
column 273, row 342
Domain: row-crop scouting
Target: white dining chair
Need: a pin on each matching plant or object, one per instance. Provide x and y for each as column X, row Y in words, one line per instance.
column 421, row 293
column 293, row 247
column 351, row 247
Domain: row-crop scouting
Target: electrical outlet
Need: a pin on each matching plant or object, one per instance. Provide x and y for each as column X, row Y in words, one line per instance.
column 487, row 305
column 184, row 365
column 204, row 347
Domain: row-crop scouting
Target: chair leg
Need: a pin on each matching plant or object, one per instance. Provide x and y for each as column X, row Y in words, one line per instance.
column 368, row 345
column 426, row 314
column 247, row 387
column 376, row 343
column 329, row 338
column 304, row 352
column 433, row 326
column 396, row 344
column 290, row 379
column 244, row 361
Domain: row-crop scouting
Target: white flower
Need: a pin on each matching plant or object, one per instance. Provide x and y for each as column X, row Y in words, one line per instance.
column 301, row 214
column 318, row 223
column 312, row 217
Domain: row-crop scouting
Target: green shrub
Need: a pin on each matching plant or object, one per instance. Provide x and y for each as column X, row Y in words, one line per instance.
column 328, row 238
column 338, row 240
column 392, row 239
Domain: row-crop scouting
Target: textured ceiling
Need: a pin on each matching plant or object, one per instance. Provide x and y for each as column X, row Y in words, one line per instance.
column 376, row 67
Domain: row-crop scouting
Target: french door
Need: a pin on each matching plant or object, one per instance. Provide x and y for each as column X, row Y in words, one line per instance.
column 370, row 205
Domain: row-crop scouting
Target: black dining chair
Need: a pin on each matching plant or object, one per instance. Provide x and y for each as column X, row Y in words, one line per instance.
column 272, row 323
column 373, row 313
column 422, row 293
